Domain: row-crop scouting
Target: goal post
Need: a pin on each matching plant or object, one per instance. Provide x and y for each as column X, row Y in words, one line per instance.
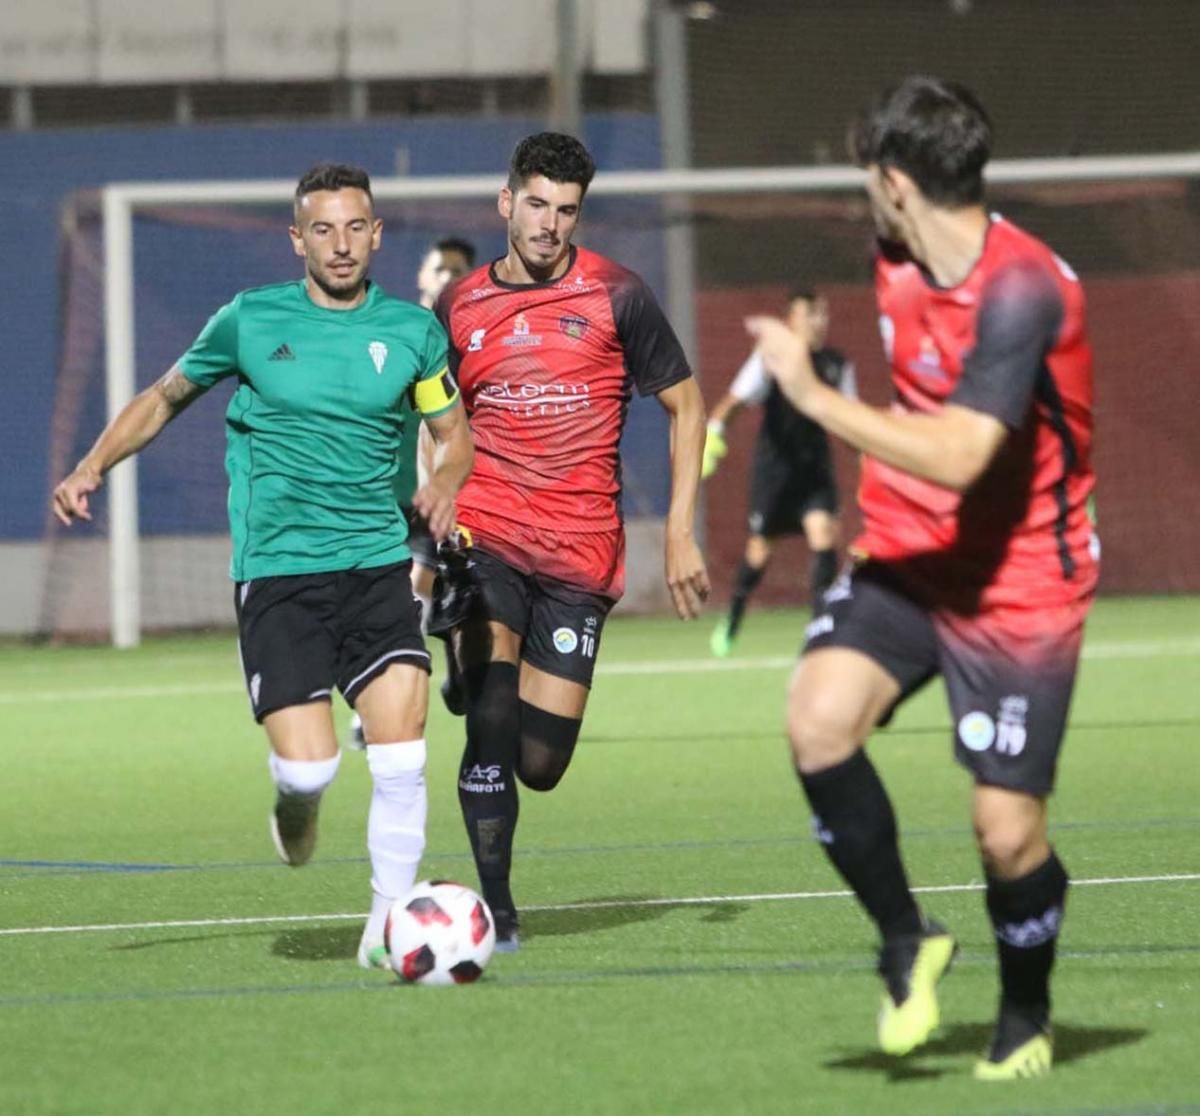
column 121, row 201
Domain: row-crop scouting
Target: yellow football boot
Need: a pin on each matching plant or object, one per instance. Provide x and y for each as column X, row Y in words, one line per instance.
column 1033, row 1058
column 911, row 967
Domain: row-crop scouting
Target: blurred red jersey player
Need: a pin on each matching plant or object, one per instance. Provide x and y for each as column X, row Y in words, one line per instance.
column 548, row 344
column 977, row 558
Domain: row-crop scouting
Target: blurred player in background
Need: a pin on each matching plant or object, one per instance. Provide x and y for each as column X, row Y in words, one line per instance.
column 320, row 559
column 549, row 342
column 792, row 485
column 977, row 558
column 446, row 260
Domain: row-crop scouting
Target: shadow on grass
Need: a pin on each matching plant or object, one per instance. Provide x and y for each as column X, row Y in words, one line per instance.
column 194, row 939
column 331, row 943
column 1071, row 1042
column 337, row 943
column 318, row 943
column 625, row 909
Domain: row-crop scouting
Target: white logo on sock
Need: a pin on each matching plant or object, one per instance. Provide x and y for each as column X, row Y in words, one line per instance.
column 482, row 780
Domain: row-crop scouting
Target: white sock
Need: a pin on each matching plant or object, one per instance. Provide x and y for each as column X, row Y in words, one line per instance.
column 395, row 826
column 302, row 776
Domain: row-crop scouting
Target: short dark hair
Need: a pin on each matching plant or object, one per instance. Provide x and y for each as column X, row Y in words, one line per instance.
column 558, row 157
column 333, row 176
column 935, row 131
column 455, row 244
column 803, row 293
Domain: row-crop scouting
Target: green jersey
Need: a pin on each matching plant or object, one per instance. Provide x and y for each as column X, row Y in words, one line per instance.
column 404, row 484
column 314, row 427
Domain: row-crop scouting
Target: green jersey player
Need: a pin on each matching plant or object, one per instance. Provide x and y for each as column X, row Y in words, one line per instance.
column 320, row 559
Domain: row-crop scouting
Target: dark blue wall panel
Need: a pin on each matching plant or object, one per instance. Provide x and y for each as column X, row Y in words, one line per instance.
column 185, row 269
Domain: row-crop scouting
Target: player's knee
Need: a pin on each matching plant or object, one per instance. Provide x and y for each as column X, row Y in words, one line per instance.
column 547, row 744
column 303, row 777
column 540, row 770
column 1010, row 847
column 398, row 724
column 758, row 551
column 820, row 732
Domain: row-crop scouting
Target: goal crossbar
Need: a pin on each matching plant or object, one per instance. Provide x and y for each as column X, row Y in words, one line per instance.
column 122, row 199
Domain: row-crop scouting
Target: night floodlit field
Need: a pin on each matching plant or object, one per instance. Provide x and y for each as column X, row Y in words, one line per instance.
column 686, row 947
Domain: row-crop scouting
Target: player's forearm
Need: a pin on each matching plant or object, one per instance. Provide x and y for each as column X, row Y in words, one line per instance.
column 452, row 458
column 941, row 447
column 135, row 427
column 687, row 448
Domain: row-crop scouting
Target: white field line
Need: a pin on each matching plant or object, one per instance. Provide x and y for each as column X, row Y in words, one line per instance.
column 683, row 901
column 1126, row 649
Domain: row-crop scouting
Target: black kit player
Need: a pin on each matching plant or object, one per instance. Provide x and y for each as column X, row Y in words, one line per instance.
column 548, row 344
column 792, row 483
column 325, row 368
column 977, row 559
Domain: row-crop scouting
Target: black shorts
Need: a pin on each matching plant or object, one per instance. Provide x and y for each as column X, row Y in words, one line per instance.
column 302, row 634
column 559, row 625
column 783, row 492
column 1009, row 693
column 420, row 541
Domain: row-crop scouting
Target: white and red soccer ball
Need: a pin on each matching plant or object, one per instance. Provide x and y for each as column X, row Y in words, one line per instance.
column 440, row 933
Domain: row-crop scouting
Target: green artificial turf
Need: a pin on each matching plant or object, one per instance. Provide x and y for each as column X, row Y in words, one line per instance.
column 134, row 792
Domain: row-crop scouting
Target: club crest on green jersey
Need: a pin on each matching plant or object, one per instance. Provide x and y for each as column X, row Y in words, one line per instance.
column 379, row 352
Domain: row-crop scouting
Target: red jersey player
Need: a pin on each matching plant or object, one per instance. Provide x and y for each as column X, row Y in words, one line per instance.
column 976, row 561
column 547, row 345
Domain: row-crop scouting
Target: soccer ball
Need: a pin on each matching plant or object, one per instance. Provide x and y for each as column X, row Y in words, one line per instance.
column 439, row 933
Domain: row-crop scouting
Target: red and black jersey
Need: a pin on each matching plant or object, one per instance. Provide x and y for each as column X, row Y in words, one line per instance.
column 1010, row 341
column 546, row 372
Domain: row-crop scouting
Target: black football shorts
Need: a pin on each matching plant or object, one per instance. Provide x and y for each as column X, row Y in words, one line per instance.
column 1009, row 693
column 302, row 634
column 783, row 492
column 559, row 624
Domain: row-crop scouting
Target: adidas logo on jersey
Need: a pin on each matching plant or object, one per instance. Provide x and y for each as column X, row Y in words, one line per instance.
column 284, row 352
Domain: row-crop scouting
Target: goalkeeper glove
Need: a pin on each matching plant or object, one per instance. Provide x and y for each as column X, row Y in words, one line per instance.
column 714, row 449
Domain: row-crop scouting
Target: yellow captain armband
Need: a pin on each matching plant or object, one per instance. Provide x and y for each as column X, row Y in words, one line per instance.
column 436, row 394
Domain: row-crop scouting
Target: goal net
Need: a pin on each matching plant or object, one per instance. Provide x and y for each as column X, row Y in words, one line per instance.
column 715, row 245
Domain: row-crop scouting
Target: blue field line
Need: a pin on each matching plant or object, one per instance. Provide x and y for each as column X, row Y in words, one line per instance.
column 24, row 869
column 382, row 983
column 56, row 866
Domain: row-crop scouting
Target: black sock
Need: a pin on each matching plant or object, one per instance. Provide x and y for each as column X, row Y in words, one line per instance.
column 856, row 825
column 1026, row 914
column 487, row 786
column 744, row 583
column 453, row 678
column 821, row 576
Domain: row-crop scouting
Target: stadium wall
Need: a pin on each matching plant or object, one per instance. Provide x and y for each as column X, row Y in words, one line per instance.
column 52, row 194
column 45, row 168
column 1146, row 337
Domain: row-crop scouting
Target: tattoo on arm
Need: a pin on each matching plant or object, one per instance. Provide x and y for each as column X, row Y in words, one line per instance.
column 177, row 390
